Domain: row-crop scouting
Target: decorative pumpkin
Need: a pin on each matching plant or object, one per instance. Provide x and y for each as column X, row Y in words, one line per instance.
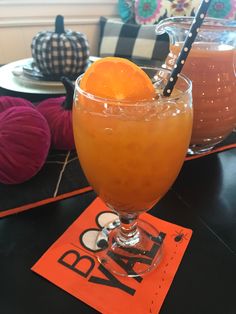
column 60, row 53
column 58, row 114
column 9, row 101
column 25, row 141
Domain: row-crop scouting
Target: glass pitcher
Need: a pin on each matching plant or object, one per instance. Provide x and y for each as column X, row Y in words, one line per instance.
column 211, row 66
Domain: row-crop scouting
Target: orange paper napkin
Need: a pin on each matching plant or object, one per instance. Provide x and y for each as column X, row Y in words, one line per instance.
column 73, row 267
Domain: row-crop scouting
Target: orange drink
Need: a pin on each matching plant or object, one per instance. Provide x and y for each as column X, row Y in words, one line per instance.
column 210, row 67
column 132, row 152
column 131, row 143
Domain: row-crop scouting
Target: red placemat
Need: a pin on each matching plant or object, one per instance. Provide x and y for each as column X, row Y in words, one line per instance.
column 73, row 268
column 62, row 177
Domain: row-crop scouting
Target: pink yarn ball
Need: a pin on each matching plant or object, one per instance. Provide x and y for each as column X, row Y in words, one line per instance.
column 9, row 101
column 60, row 122
column 25, row 142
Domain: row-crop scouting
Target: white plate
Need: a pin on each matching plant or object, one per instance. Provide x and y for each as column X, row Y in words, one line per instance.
column 12, row 78
column 24, row 85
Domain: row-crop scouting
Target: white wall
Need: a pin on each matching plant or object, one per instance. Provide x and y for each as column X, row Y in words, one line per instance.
column 20, row 20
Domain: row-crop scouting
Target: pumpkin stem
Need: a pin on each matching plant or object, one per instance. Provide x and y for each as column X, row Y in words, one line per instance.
column 69, row 86
column 59, row 24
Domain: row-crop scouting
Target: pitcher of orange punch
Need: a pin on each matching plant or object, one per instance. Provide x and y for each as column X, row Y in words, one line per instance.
column 211, row 65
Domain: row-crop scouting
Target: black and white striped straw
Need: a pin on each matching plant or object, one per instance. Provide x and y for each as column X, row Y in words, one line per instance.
column 192, row 34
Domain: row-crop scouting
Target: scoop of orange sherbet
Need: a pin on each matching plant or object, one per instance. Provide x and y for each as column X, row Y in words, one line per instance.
column 117, row 78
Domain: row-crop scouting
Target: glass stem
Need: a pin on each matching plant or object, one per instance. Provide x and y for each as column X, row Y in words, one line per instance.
column 127, row 233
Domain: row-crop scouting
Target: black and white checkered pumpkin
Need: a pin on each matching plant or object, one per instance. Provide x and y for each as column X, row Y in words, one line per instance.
column 60, row 53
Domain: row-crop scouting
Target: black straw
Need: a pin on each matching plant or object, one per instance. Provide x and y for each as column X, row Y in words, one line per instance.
column 192, row 34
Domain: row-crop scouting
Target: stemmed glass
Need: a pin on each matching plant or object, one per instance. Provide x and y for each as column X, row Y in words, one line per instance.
column 131, row 153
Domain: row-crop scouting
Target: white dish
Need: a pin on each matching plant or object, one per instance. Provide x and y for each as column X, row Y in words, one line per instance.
column 25, row 85
column 12, row 78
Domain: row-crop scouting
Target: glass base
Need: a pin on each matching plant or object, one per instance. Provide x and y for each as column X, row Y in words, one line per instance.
column 134, row 258
column 206, row 145
column 197, row 150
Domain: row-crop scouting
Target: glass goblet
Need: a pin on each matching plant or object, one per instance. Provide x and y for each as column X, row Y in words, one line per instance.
column 131, row 153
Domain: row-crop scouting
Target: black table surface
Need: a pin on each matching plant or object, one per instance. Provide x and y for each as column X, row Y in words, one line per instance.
column 203, row 198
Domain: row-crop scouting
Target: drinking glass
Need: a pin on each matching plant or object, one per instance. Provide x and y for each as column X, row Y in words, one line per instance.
column 211, row 67
column 131, row 152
